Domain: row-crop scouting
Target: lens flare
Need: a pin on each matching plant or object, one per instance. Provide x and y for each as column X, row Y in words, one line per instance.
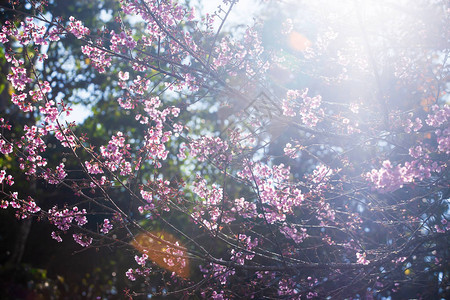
column 164, row 250
column 298, row 42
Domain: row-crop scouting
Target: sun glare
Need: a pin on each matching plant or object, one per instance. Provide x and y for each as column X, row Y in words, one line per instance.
column 367, row 20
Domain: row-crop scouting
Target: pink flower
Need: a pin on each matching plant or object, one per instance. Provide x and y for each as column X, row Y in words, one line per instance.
column 56, row 237
column 76, row 28
column 130, row 274
column 106, row 226
column 361, row 258
column 82, row 240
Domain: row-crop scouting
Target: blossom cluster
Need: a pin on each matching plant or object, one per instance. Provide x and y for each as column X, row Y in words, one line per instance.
column 77, row 28
column 392, row 176
column 308, row 109
column 63, row 219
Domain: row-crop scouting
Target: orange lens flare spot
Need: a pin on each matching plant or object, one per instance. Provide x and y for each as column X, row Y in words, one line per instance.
column 426, row 103
column 298, row 42
column 164, row 250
